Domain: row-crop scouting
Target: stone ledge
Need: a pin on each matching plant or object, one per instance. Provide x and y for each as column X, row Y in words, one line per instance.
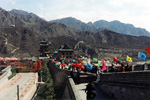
column 127, row 84
column 75, row 91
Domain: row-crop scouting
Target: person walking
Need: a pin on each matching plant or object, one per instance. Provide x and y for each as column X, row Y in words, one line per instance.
column 90, row 91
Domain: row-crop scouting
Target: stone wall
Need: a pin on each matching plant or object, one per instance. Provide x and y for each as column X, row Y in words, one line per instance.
column 71, row 93
column 64, row 84
column 140, row 67
column 59, row 78
column 6, row 72
column 127, row 85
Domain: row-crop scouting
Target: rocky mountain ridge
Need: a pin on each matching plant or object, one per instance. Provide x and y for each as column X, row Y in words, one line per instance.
column 115, row 26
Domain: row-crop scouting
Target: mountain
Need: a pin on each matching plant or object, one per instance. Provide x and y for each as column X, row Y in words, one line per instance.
column 42, row 26
column 27, row 32
column 122, row 28
column 27, row 18
column 7, row 19
column 115, row 26
column 23, row 39
column 21, row 12
column 76, row 24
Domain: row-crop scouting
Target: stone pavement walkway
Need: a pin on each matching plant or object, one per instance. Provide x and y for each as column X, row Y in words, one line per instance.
column 12, row 81
column 8, row 91
column 81, row 89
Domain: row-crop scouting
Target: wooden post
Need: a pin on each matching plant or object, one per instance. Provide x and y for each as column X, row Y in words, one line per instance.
column 18, row 92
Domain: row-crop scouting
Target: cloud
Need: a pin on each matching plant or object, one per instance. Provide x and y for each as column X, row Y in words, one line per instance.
column 127, row 11
column 41, row 15
column 116, row 3
column 13, row 3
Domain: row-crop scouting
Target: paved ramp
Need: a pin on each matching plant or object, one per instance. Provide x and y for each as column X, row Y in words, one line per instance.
column 8, row 91
column 100, row 94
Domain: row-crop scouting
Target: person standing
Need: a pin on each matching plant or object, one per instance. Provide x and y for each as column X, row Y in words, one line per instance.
column 78, row 77
column 85, row 70
column 127, row 67
column 99, row 72
column 113, row 68
column 96, row 70
column 122, row 68
column 90, row 91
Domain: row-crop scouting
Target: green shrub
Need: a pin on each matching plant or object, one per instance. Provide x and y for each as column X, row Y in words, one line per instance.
column 13, row 74
column 46, row 90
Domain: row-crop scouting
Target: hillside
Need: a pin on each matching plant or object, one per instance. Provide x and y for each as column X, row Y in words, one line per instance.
column 19, row 41
column 109, row 44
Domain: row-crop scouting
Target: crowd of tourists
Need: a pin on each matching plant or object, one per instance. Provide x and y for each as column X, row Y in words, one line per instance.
column 77, row 65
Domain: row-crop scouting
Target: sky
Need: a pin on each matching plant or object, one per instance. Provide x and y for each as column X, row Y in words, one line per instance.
column 136, row 12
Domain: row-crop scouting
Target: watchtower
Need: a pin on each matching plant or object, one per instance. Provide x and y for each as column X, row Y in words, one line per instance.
column 44, row 49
